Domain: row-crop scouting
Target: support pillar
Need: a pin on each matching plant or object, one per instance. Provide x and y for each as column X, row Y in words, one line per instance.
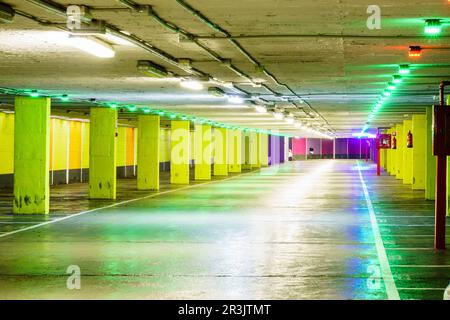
column 220, row 152
column 407, row 154
column 399, row 152
column 430, row 160
column 202, row 152
column 102, row 153
column 31, row 155
column 393, row 156
column 148, row 152
column 235, row 151
column 180, row 147
column 264, row 149
column 254, row 150
column 419, row 123
column 246, row 151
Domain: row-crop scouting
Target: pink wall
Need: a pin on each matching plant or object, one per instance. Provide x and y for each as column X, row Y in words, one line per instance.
column 298, row 146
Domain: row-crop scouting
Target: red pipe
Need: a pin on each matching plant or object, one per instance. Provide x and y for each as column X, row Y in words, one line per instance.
column 441, row 188
column 441, row 202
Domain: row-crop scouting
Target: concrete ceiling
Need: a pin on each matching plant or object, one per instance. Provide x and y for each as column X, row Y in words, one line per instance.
column 322, row 50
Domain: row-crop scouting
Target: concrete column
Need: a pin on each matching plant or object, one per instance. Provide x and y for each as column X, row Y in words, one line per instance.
column 419, row 124
column 148, row 152
column 264, row 149
column 407, row 154
column 393, row 157
column 31, row 155
column 388, row 156
column 246, row 151
column 220, row 152
column 180, row 147
column 235, row 151
column 430, row 159
column 102, row 153
column 254, row 150
column 399, row 151
column 202, row 151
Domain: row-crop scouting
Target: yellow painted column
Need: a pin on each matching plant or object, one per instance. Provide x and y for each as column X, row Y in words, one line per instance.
column 407, row 154
column 246, row 151
column 102, row 153
column 220, row 152
column 264, row 149
column 254, row 150
column 148, row 142
column 202, row 151
column 419, row 124
column 31, row 155
column 179, row 153
column 393, row 169
column 383, row 158
column 235, row 151
column 388, row 156
column 399, row 151
column 430, row 159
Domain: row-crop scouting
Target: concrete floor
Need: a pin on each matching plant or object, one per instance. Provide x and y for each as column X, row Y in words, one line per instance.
column 299, row 231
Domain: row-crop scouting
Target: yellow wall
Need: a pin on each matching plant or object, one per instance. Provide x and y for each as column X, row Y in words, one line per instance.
column 75, row 145
column 59, row 155
column 6, row 143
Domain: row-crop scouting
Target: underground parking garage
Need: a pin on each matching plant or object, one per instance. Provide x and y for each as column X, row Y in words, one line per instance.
column 224, row 150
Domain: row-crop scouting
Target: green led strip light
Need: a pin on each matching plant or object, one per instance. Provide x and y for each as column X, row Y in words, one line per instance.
column 140, row 109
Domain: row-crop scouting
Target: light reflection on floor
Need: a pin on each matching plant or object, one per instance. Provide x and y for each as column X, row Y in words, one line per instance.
column 302, row 232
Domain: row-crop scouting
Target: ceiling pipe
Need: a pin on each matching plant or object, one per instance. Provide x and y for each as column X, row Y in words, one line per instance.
column 334, row 36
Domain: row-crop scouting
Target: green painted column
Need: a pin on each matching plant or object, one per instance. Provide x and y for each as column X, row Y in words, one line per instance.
column 179, row 153
column 419, row 124
column 430, row 159
column 202, row 151
column 102, row 153
column 255, row 150
column 220, row 152
column 264, row 149
column 399, row 151
column 148, row 152
column 31, row 155
column 407, row 154
column 235, row 138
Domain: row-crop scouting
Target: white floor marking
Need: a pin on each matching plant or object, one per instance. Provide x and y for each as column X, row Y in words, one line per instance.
column 2, row 235
column 389, row 282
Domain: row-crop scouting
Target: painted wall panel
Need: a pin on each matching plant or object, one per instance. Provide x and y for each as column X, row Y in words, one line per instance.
column 6, row 143
column 130, row 146
column 60, row 144
column 75, row 145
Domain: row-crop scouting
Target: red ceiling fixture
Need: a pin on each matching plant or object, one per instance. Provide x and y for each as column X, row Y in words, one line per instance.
column 415, row 51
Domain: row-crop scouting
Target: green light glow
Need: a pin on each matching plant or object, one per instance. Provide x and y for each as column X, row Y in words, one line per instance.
column 433, row 26
column 146, row 110
column 391, row 86
column 404, row 69
column 397, row 79
column 113, row 105
column 64, row 98
column 131, row 108
column 34, row 94
column 172, row 116
column 161, row 113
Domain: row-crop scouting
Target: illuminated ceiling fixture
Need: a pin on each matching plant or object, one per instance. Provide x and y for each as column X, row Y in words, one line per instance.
column 415, row 51
column 64, row 98
column 278, row 115
column 151, row 69
column 6, row 13
column 386, row 93
column 391, row 86
column 397, row 79
column 404, row 69
column 116, row 39
column 433, row 26
column 93, row 46
column 261, row 109
column 191, row 84
column 235, row 99
column 34, row 94
column 290, row 120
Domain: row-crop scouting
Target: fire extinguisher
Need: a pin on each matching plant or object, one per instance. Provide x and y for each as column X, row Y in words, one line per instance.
column 409, row 140
column 394, row 142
